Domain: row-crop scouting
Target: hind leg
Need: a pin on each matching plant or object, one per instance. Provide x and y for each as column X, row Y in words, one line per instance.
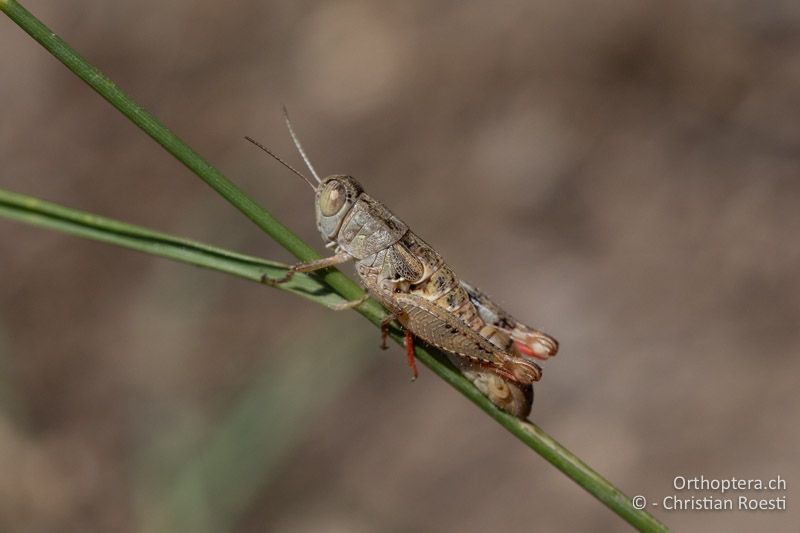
column 412, row 361
column 408, row 342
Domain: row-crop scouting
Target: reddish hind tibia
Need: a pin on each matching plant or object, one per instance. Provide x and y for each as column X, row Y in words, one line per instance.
column 412, row 361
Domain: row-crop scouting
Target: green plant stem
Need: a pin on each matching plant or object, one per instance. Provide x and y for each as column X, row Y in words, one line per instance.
column 530, row 434
column 53, row 216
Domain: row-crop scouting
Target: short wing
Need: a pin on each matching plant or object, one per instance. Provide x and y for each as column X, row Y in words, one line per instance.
column 439, row 328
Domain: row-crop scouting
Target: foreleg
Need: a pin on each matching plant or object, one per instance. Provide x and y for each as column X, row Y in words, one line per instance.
column 311, row 266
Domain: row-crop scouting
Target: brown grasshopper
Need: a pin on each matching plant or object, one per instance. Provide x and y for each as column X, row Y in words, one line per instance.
column 490, row 347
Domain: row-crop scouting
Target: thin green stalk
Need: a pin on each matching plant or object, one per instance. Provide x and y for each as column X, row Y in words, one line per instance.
column 53, row 216
column 530, row 434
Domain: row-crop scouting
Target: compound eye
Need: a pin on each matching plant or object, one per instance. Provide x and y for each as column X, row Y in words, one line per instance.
column 332, row 198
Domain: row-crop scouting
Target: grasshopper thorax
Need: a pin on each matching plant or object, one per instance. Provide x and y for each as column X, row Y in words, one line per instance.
column 335, row 197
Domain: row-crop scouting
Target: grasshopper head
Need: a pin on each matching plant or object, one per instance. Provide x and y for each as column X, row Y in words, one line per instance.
column 335, row 196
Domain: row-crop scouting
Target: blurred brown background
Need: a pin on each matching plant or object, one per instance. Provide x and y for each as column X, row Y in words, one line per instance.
column 623, row 175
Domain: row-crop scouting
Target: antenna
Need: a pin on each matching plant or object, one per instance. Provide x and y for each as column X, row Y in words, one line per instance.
column 284, row 163
column 299, row 146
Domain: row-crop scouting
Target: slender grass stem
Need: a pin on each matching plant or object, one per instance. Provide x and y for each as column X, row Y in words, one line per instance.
column 528, row 433
column 53, row 216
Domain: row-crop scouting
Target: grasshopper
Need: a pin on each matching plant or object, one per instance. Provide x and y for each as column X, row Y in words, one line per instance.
column 491, row 348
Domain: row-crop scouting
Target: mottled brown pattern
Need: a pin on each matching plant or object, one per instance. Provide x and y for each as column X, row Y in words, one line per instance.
column 410, row 278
